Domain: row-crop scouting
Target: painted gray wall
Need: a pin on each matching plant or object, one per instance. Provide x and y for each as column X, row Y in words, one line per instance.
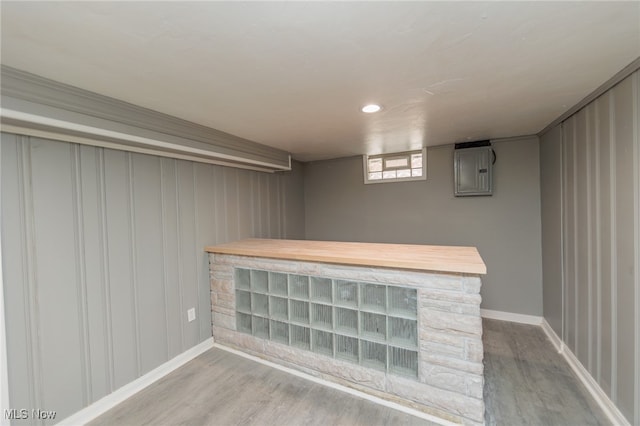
column 505, row 227
column 103, row 255
column 600, row 226
column 551, row 213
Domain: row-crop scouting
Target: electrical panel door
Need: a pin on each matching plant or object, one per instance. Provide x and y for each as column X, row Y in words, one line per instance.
column 473, row 171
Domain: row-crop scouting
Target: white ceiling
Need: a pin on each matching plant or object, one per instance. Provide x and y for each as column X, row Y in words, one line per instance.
column 294, row 75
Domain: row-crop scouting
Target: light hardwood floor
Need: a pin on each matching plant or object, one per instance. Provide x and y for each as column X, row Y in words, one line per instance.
column 526, row 383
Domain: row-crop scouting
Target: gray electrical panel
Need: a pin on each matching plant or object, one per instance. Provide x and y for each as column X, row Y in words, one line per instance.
column 473, row 170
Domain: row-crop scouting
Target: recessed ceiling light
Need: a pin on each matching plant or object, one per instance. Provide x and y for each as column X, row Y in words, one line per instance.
column 371, row 108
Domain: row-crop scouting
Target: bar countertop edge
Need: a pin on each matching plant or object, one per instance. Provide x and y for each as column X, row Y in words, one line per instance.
column 449, row 259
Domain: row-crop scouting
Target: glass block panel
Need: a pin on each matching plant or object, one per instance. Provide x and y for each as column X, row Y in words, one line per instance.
column 243, row 322
column 347, row 348
column 260, row 304
column 243, row 279
column 299, row 287
column 278, row 283
column 299, row 311
column 403, row 301
column 322, row 342
column 278, row 308
column 259, row 281
column 373, row 297
column 320, row 289
column 374, row 355
column 346, row 293
column 260, row 327
column 347, row 321
column 243, row 301
column 375, row 176
column 389, row 174
column 300, row 337
column 373, row 326
column 403, row 362
column 416, row 172
column 280, row 332
column 396, row 162
column 321, row 316
column 403, row 332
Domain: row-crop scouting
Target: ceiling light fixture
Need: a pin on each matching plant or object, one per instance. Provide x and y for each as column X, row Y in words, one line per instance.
column 371, row 108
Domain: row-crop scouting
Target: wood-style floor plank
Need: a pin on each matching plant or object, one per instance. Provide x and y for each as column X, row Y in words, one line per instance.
column 526, row 383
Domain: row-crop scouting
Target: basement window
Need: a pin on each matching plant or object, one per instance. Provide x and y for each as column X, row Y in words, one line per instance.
column 395, row 167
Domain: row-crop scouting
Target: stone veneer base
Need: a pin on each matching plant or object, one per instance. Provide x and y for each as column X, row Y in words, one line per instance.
column 450, row 379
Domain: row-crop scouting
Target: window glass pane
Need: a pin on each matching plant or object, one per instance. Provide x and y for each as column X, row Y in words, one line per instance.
column 375, row 164
column 402, row 173
column 389, row 174
column 416, row 160
column 375, row 176
column 396, row 162
column 416, row 172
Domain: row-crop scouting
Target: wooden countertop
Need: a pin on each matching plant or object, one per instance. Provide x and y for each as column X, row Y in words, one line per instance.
column 399, row 256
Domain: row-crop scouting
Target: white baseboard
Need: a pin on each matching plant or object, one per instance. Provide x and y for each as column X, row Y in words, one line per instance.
column 603, row 400
column 510, row 316
column 106, row 403
column 553, row 337
column 336, row 386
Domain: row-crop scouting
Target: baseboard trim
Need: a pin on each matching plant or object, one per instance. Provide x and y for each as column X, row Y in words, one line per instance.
column 336, row 386
column 553, row 337
column 603, row 400
column 510, row 316
column 104, row 404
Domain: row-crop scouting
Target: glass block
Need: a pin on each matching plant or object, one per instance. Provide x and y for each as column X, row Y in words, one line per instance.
column 243, row 279
column 321, row 316
column 374, row 355
column 373, row 326
column 403, row 301
column 278, row 283
column 259, row 281
column 322, row 342
column 299, row 311
column 259, row 304
column 278, row 308
column 279, row 332
column 260, row 327
column 403, row 331
column 299, row 287
column 243, row 301
column 320, row 289
column 347, row 348
column 243, row 322
column 373, row 297
column 300, row 336
column 403, row 362
column 346, row 293
column 347, row 321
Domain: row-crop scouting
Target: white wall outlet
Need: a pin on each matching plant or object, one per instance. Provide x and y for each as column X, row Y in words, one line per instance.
column 191, row 314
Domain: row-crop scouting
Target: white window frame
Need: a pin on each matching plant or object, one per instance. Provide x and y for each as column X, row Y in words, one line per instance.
column 392, row 155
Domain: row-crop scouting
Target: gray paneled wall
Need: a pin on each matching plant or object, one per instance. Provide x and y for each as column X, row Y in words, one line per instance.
column 103, row 255
column 594, row 156
column 505, row 227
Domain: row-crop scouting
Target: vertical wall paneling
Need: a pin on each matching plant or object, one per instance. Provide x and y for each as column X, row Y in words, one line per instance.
column 604, row 246
column 244, row 204
column 62, row 349
column 636, row 171
column 81, row 270
column 601, row 255
column 106, row 257
column 625, row 244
